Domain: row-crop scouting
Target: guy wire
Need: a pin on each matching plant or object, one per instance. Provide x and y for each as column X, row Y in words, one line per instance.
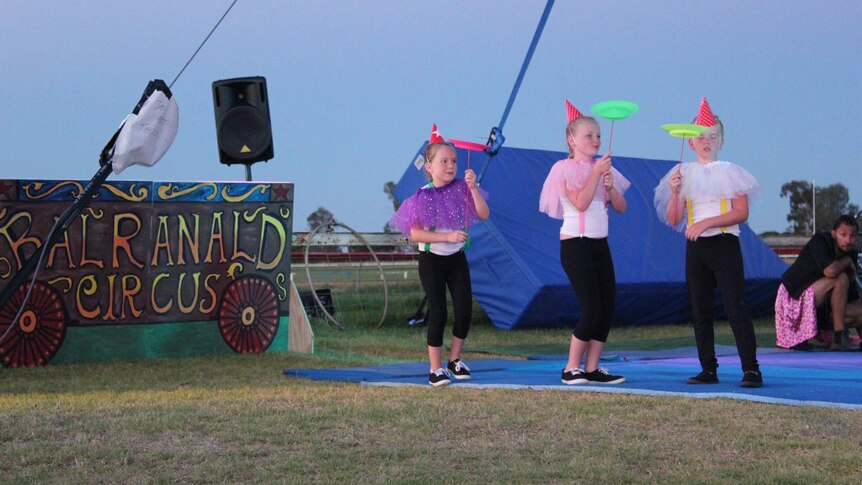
column 202, row 43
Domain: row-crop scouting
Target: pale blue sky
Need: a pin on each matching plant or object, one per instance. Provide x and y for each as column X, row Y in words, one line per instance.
column 355, row 85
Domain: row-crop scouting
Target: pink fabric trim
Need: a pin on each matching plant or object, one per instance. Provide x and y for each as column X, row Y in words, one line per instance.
column 570, row 175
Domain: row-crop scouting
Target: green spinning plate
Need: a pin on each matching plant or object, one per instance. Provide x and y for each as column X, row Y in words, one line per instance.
column 683, row 130
column 614, row 110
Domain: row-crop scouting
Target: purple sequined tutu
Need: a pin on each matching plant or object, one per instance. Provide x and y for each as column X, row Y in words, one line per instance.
column 442, row 208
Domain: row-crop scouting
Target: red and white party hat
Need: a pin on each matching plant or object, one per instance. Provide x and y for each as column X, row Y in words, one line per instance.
column 572, row 112
column 705, row 116
column 435, row 135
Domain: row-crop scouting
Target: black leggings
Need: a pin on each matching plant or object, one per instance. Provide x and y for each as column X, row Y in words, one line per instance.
column 717, row 261
column 436, row 273
column 588, row 264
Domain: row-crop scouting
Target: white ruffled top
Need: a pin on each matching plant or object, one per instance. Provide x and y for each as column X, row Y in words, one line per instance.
column 705, row 185
column 570, row 175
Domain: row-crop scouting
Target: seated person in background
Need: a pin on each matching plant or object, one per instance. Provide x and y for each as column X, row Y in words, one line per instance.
column 823, row 278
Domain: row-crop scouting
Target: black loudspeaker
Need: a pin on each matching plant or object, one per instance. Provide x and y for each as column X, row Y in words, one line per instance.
column 242, row 121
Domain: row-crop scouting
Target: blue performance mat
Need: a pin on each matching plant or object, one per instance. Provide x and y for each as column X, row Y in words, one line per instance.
column 826, row 379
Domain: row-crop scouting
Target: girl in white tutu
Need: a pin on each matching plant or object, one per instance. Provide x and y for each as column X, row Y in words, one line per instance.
column 709, row 199
column 579, row 190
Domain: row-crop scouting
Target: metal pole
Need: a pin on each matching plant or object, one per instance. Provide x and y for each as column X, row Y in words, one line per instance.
column 536, row 36
column 813, row 209
column 63, row 222
column 498, row 130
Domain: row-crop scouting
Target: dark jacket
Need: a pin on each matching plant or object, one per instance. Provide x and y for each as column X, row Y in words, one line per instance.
column 818, row 253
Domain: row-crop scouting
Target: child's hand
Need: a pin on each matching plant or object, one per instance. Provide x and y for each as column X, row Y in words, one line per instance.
column 603, row 165
column 695, row 230
column 675, row 181
column 609, row 181
column 456, row 237
column 470, row 178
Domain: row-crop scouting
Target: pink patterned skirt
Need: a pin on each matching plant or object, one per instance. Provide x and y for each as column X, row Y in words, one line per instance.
column 795, row 320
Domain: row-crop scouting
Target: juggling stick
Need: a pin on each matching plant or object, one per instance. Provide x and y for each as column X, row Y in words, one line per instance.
column 682, row 131
column 469, row 146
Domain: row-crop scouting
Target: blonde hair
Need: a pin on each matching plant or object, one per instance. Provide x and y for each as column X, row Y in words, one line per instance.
column 718, row 122
column 432, row 150
column 570, row 129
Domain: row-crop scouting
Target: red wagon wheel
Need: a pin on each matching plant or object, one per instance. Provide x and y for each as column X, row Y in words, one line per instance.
column 40, row 329
column 248, row 314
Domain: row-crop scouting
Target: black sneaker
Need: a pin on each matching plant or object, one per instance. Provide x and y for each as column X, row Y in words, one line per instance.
column 458, row 369
column 601, row 376
column 438, row 378
column 751, row 378
column 574, row 376
column 705, row 377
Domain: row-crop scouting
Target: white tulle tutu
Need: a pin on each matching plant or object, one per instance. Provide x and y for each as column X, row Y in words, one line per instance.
column 719, row 180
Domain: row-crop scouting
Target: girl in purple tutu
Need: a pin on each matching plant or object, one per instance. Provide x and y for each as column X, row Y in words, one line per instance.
column 579, row 190
column 708, row 199
column 437, row 217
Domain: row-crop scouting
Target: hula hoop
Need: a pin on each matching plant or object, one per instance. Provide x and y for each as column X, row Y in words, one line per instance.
column 308, row 243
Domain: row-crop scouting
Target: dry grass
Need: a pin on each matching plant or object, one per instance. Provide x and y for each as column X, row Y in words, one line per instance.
column 236, row 419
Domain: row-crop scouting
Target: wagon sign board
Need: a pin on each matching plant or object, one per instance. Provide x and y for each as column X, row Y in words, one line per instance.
column 149, row 269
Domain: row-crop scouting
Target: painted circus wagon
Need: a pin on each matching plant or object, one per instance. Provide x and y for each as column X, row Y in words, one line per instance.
column 149, row 269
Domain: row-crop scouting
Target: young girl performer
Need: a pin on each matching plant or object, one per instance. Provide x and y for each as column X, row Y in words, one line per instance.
column 709, row 199
column 437, row 217
column 578, row 190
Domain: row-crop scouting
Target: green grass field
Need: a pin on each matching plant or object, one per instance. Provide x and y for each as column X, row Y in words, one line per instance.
column 236, row 419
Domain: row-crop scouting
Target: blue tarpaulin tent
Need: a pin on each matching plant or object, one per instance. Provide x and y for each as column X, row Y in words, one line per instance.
column 515, row 261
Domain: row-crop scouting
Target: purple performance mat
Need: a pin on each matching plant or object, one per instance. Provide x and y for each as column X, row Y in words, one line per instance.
column 826, row 379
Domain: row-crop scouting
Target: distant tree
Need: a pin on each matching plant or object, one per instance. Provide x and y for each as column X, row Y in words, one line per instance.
column 800, row 197
column 389, row 190
column 316, row 219
column 319, row 217
column 832, row 201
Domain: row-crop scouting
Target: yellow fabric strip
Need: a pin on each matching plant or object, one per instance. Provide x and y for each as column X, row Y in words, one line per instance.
column 689, row 212
column 723, row 211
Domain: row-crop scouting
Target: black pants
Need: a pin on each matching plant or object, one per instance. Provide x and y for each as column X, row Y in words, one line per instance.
column 717, row 261
column 436, row 273
column 588, row 264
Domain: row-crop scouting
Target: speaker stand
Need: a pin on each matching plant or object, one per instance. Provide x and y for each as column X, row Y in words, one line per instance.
column 248, row 172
